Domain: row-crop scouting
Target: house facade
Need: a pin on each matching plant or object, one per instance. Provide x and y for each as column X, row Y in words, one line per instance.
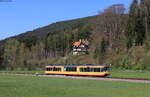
column 80, row 47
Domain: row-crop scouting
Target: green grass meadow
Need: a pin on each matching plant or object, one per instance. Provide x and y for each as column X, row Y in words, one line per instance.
column 131, row 74
column 115, row 73
column 23, row 72
column 21, row 86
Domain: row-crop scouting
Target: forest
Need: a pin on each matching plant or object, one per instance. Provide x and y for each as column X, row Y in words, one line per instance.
column 116, row 36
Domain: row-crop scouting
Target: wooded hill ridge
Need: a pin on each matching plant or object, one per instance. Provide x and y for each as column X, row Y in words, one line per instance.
column 42, row 32
column 115, row 37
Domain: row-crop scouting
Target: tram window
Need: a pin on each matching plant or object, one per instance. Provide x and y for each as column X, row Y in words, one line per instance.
column 96, row 69
column 48, row 69
column 104, row 69
column 53, row 69
column 70, row 69
column 56, row 69
column 89, row 69
column 84, row 69
column 81, row 69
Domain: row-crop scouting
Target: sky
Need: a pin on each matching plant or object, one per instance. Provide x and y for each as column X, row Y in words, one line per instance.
column 19, row 16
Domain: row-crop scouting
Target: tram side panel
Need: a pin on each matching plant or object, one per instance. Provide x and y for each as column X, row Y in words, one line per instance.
column 78, row 70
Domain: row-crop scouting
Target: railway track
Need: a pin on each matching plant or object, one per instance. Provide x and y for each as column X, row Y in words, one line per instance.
column 135, row 80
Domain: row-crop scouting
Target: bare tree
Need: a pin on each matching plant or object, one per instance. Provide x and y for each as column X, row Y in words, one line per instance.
column 110, row 24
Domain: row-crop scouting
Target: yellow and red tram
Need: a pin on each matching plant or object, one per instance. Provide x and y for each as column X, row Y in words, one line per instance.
column 82, row 70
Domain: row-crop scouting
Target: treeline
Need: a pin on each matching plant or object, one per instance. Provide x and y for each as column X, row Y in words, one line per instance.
column 138, row 25
column 124, row 38
column 32, row 53
column 109, row 32
column 60, row 44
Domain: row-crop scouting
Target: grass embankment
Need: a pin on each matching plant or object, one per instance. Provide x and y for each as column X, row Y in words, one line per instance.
column 21, row 86
column 131, row 74
column 115, row 73
column 23, row 72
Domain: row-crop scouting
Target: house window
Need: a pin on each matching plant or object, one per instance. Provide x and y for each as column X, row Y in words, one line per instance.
column 82, row 45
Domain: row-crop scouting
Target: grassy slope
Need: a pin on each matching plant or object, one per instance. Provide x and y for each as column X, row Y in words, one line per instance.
column 115, row 73
column 17, row 86
column 22, row 72
column 131, row 74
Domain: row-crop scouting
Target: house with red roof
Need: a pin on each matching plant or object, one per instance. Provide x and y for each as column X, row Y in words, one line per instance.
column 80, row 47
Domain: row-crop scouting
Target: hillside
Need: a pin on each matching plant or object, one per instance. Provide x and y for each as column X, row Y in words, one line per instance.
column 41, row 32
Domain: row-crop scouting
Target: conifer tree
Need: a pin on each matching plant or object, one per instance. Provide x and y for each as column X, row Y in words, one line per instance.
column 145, row 13
column 135, row 31
column 1, row 56
column 139, row 29
column 130, row 30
